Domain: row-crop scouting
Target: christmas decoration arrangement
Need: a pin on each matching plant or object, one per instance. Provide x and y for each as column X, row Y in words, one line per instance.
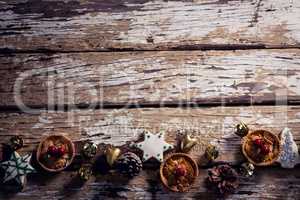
column 263, row 148
column 177, row 169
column 225, row 178
column 55, row 153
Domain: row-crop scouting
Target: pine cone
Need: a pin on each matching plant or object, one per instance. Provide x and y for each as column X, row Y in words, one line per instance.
column 129, row 164
column 224, row 178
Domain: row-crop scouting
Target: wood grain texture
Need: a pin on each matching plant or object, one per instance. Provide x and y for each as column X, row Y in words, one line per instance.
column 120, row 126
column 151, row 78
column 89, row 25
column 268, row 183
column 62, row 54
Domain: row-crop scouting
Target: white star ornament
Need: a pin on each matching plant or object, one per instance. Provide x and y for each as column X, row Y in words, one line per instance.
column 153, row 146
column 17, row 168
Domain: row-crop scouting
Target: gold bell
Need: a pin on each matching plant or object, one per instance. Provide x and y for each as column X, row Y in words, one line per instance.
column 187, row 143
column 112, row 153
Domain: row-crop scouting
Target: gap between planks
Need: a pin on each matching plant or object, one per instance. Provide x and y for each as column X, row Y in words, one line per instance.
column 174, row 104
column 193, row 47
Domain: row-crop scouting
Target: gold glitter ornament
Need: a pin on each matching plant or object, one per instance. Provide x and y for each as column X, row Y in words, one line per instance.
column 16, row 142
column 211, row 152
column 85, row 173
column 242, row 129
column 89, row 150
column 247, row 169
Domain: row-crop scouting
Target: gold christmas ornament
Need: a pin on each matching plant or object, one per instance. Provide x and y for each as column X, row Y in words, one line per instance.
column 187, row 143
column 112, row 153
column 241, row 129
column 211, row 152
column 89, row 150
column 85, row 173
column 247, row 169
column 16, row 142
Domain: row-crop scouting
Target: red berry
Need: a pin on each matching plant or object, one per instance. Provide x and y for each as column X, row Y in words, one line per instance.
column 265, row 149
column 52, row 150
column 180, row 171
column 61, row 151
column 258, row 142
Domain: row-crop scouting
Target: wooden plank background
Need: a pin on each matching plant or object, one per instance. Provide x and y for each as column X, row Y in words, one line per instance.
column 160, row 77
column 198, row 66
column 92, row 25
column 214, row 125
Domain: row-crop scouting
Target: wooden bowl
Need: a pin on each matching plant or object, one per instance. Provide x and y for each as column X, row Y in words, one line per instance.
column 42, row 149
column 248, row 148
column 176, row 156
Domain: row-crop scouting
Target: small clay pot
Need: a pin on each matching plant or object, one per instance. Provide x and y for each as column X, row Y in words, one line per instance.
column 176, row 156
column 248, row 148
column 42, row 149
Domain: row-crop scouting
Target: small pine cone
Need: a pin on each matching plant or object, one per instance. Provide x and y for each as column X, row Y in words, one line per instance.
column 224, row 178
column 129, row 164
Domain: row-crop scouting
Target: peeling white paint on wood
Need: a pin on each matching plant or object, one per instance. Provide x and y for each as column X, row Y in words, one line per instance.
column 255, row 76
column 289, row 20
column 118, row 127
column 252, row 76
column 203, row 119
column 151, row 25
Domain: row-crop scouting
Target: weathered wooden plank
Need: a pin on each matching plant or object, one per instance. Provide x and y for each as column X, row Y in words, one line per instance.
column 120, row 126
column 117, row 127
column 156, row 78
column 268, row 183
column 91, row 25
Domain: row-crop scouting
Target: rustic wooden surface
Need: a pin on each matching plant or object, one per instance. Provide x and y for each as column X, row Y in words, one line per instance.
column 120, row 126
column 82, row 25
column 199, row 66
column 160, row 77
